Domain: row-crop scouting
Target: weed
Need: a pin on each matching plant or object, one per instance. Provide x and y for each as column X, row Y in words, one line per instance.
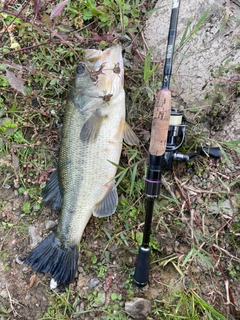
column 189, row 306
column 61, row 305
column 234, row 271
column 3, row 256
column 188, row 35
column 148, row 75
column 43, row 53
column 105, row 13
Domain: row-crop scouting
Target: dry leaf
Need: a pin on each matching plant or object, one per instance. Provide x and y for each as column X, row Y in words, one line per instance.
column 32, row 280
column 15, row 161
column 14, row 82
column 37, row 6
column 58, row 10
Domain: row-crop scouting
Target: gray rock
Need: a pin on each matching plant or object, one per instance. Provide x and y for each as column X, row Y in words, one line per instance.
column 93, row 283
column 238, row 252
column 82, row 281
column 17, row 213
column 228, row 171
column 25, row 269
column 100, row 300
column 50, row 224
column 138, row 308
column 35, row 237
column 199, row 200
column 4, row 293
column 79, row 308
column 205, row 175
column 227, row 208
column 195, row 179
column 213, row 207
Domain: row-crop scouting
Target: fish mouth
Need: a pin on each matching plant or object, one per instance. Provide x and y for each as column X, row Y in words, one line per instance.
column 106, row 68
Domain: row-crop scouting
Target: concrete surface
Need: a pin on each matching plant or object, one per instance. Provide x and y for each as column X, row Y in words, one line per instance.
column 217, row 40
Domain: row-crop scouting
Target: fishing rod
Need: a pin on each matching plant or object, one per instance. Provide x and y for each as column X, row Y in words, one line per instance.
column 158, row 142
column 167, row 136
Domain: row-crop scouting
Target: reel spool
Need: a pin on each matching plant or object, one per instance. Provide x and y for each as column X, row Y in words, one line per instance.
column 176, row 131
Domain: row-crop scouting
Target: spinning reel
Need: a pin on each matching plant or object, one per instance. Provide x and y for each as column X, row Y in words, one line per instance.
column 175, row 139
column 176, row 135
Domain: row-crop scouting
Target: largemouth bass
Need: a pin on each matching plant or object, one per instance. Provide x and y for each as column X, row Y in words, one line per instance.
column 83, row 184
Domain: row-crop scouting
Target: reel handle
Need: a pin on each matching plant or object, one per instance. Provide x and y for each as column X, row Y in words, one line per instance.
column 212, row 152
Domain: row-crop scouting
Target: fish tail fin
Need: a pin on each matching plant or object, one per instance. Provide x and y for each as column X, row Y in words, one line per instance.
column 51, row 256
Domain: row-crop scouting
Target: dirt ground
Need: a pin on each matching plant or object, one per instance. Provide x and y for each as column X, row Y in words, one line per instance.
column 27, row 298
column 207, row 218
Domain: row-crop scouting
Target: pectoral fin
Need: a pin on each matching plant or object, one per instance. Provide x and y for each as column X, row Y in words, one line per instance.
column 129, row 136
column 90, row 129
column 108, row 205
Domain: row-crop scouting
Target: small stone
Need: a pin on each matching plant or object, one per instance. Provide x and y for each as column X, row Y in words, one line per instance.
column 4, row 293
column 53, row 284
column 27, row 297
column 25, row 270
column 138, row 308
column 82, row 281
column 228, row 171
column 50, row 224
column 195, row 179
column 100, row 300
column 20, row 259
column 211, row 177
column 199, row 200
column 128, row 48
column 238, row 252
column 34, row 233
column 227, row 208
column 205, row 175
column 168, row 249
column 79, row 308
column 17, row 213
column 211, row 229
column 93, row 283
column 213, row 207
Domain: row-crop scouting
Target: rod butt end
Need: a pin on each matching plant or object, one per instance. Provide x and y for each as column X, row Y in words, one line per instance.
column 141, row 274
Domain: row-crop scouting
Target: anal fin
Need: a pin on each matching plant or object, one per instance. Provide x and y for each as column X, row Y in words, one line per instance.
column 107, row 206
column 51, row 193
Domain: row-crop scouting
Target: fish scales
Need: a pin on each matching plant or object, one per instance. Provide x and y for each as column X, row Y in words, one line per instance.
column 85, row 175
column 83, row 184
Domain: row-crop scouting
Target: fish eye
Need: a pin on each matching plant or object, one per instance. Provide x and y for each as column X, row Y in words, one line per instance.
column 80, row 69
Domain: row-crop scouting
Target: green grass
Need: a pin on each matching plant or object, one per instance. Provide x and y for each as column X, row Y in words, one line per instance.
column 29, row 136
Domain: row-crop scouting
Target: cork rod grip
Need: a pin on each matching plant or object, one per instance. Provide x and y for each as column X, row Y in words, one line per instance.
column 160, row 123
